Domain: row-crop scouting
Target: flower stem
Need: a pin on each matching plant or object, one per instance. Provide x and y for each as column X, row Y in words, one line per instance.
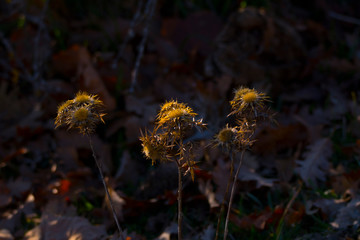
column 222, row 207
column 98, row 164
column 232, row 195
column 179, row 201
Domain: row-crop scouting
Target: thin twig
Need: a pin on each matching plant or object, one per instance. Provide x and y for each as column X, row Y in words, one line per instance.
column 149, row 11
column 99, row 165
column 232, row 195
column 38, row 61
column 344, row 18
column 222, row 206
column 130, row 33
column 178, row 162
column 179, row 201
column 12, row 54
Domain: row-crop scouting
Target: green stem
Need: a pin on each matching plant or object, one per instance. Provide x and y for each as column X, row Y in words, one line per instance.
column 232, row 195
column 98, row 164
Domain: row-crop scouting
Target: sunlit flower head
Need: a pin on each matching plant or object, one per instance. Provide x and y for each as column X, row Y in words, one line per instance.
column 83, row 98
column 248, row 102
column 83, row 112
column 173, row 113
column 153, row 148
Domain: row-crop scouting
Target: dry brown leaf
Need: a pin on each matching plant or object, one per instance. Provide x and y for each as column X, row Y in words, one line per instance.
column 172, row 229
column 207, row 190
column 195, row 32
column 59, row 228
column 118, row 203
column 274, row 140
column 348, row 215
column 12, row 220
column 315, row 164
column 19, row 187
column 329, row 207
column 285, row 168
column 5, row 196
column 248, row 174
column 5, row 235
column 76, row 61
column 208, row 233
column 258, row 220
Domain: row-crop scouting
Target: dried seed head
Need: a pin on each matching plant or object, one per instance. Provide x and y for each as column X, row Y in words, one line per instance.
column 250, row 97
column 173, row 113
column 171, row 105
column 248, row 103
column 153, row 148
column 83, row 112
column 63, row 110
column 225, row 135
column 82, row 97
column 178, row 113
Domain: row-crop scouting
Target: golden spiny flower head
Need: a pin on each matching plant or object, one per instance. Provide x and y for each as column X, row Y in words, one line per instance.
column 170, row 105
column 82, row 112
column 235, row 138
column 82, row 98
column 177, row 115
column 153, row 147
column 226, row 137
column 248, row 102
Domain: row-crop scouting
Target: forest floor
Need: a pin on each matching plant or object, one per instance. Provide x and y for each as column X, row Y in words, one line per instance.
column 300, row 179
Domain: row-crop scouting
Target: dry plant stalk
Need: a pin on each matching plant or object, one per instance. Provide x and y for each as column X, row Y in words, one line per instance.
column 173, row 123
column 248, row 107
column 84, row 112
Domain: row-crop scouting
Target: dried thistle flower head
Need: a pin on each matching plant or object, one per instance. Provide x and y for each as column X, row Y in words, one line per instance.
column 248, row 102
column 83, row 112
column 169, row 106
column 153, row 148
column 244, row 133
column 83, row 98
column 174, row 115
column 226, row 137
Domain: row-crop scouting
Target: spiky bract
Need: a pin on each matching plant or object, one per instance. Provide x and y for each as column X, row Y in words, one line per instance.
column 153, row 147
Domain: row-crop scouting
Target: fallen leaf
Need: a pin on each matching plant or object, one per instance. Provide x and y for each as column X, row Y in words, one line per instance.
column 315, row 163
column 207, row 190
column 59, row 228
column 258, row 220
column 19, row 187
column 208, row 233
column 76, row 61
column 195, row 32
column 5, row 196
column 172, row 229
column 248, row 174
column 348, row 215
column 5, row 235
column 13, row 219
column 118, row 203
column 329, row 207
